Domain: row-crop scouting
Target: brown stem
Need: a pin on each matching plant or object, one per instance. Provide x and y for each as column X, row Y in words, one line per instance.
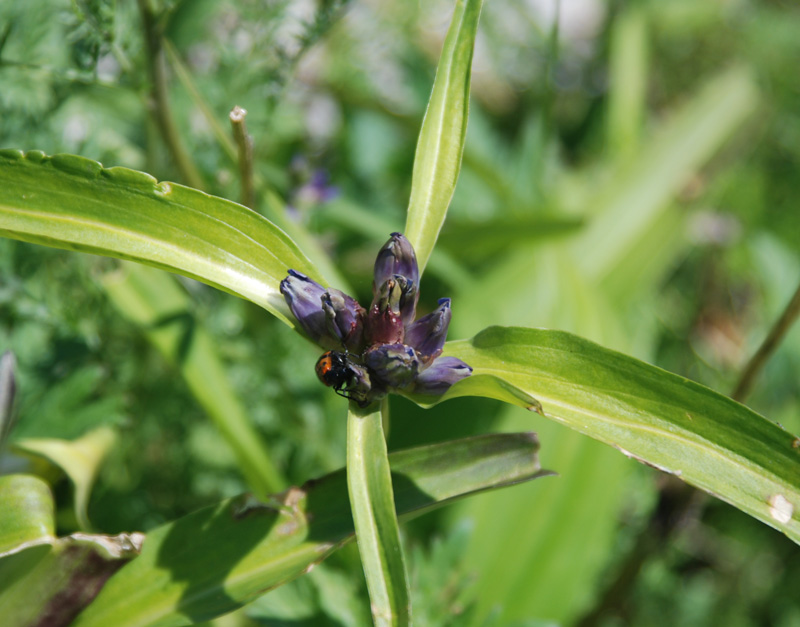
column 768, row 346
column 159, row 102
column 244, row 144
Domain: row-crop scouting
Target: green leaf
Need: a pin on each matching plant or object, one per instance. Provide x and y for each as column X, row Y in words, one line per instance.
column 369, row 484
column 651, row 415
column 79, row 459
column 26, row 512
column 154, row 300
column 441, row 140
column 219, row 558
column 50, row 587
column 71, row 202
column 44, row 579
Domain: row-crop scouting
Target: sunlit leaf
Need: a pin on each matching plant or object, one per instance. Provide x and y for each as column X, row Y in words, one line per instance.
column 71, row 202
column 656, row 417
column 217, row 559
column 46, row 580
column 26, row 512
column 79, row 459
column 441, row 140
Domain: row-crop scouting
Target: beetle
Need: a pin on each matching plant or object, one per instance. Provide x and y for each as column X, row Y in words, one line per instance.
column 347, row 378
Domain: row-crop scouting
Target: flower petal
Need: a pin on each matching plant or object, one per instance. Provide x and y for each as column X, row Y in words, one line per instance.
column 440, row 375
column 428, row 334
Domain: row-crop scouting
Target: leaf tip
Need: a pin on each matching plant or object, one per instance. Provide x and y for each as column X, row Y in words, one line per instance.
column 537, row 407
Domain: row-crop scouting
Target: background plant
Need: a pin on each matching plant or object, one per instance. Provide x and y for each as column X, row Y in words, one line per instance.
column 652, row 151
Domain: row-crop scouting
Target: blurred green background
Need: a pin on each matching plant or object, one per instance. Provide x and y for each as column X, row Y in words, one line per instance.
column 630, row 175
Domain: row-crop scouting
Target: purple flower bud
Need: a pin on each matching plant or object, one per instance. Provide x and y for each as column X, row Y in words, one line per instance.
column 344, row 319
column 384, row 320
column 397, row 257
column 442, row 373
column 427, row 335
column 304, row 297
column 393, row 365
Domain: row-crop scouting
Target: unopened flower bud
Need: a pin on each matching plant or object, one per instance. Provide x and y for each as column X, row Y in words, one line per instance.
column 344, row 319
column 440, row 375
column 397, row 258
column 394, row 365
column 428, row 334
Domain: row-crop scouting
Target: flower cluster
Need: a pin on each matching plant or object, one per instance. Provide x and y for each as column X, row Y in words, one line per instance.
column 382, row 349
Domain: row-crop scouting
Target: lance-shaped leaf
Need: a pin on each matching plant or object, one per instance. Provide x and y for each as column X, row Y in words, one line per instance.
column 656, row 417
column 155, row 301
column 46, row 580
column 441, row 140
column 71, row 202
column 221, row 557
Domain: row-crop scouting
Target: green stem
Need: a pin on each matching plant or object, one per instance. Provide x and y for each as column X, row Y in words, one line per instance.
column 369, row 484
column 159, row 102
column 185, row 79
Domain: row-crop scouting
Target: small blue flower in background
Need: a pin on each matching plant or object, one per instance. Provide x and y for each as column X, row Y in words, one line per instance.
column 381, row 349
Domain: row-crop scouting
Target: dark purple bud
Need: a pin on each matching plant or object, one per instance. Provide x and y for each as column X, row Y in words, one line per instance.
column 393, row 365
column 361, row 389
column 397, row 257
column 440, row 375
column 384, row 320
column 427, row 335
column 304, row 297
column 344, row 318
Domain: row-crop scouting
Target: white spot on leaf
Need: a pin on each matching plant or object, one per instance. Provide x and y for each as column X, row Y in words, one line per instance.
column 780, row 508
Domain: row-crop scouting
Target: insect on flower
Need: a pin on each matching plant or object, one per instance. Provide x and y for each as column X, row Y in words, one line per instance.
column 381, row 349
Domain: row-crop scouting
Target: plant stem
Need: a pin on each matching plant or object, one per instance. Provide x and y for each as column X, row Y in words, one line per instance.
column 679, row 502
column 185, row 79
column 159, row 102
column 767, row 348
column 369, row 484
column 244, row 144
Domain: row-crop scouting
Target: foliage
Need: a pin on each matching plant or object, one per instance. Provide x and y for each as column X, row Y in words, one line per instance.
column 629, row 176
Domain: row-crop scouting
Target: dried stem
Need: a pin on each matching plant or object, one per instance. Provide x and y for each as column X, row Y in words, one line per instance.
column 159, row 102
column 244, row 144
column 768, row 346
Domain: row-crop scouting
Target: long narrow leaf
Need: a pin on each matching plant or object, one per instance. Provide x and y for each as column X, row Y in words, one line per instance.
column 369, row 484
column 153, row 300
column 657, row 417
column 215, row 560
column 72, row 202
column 441, row 140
